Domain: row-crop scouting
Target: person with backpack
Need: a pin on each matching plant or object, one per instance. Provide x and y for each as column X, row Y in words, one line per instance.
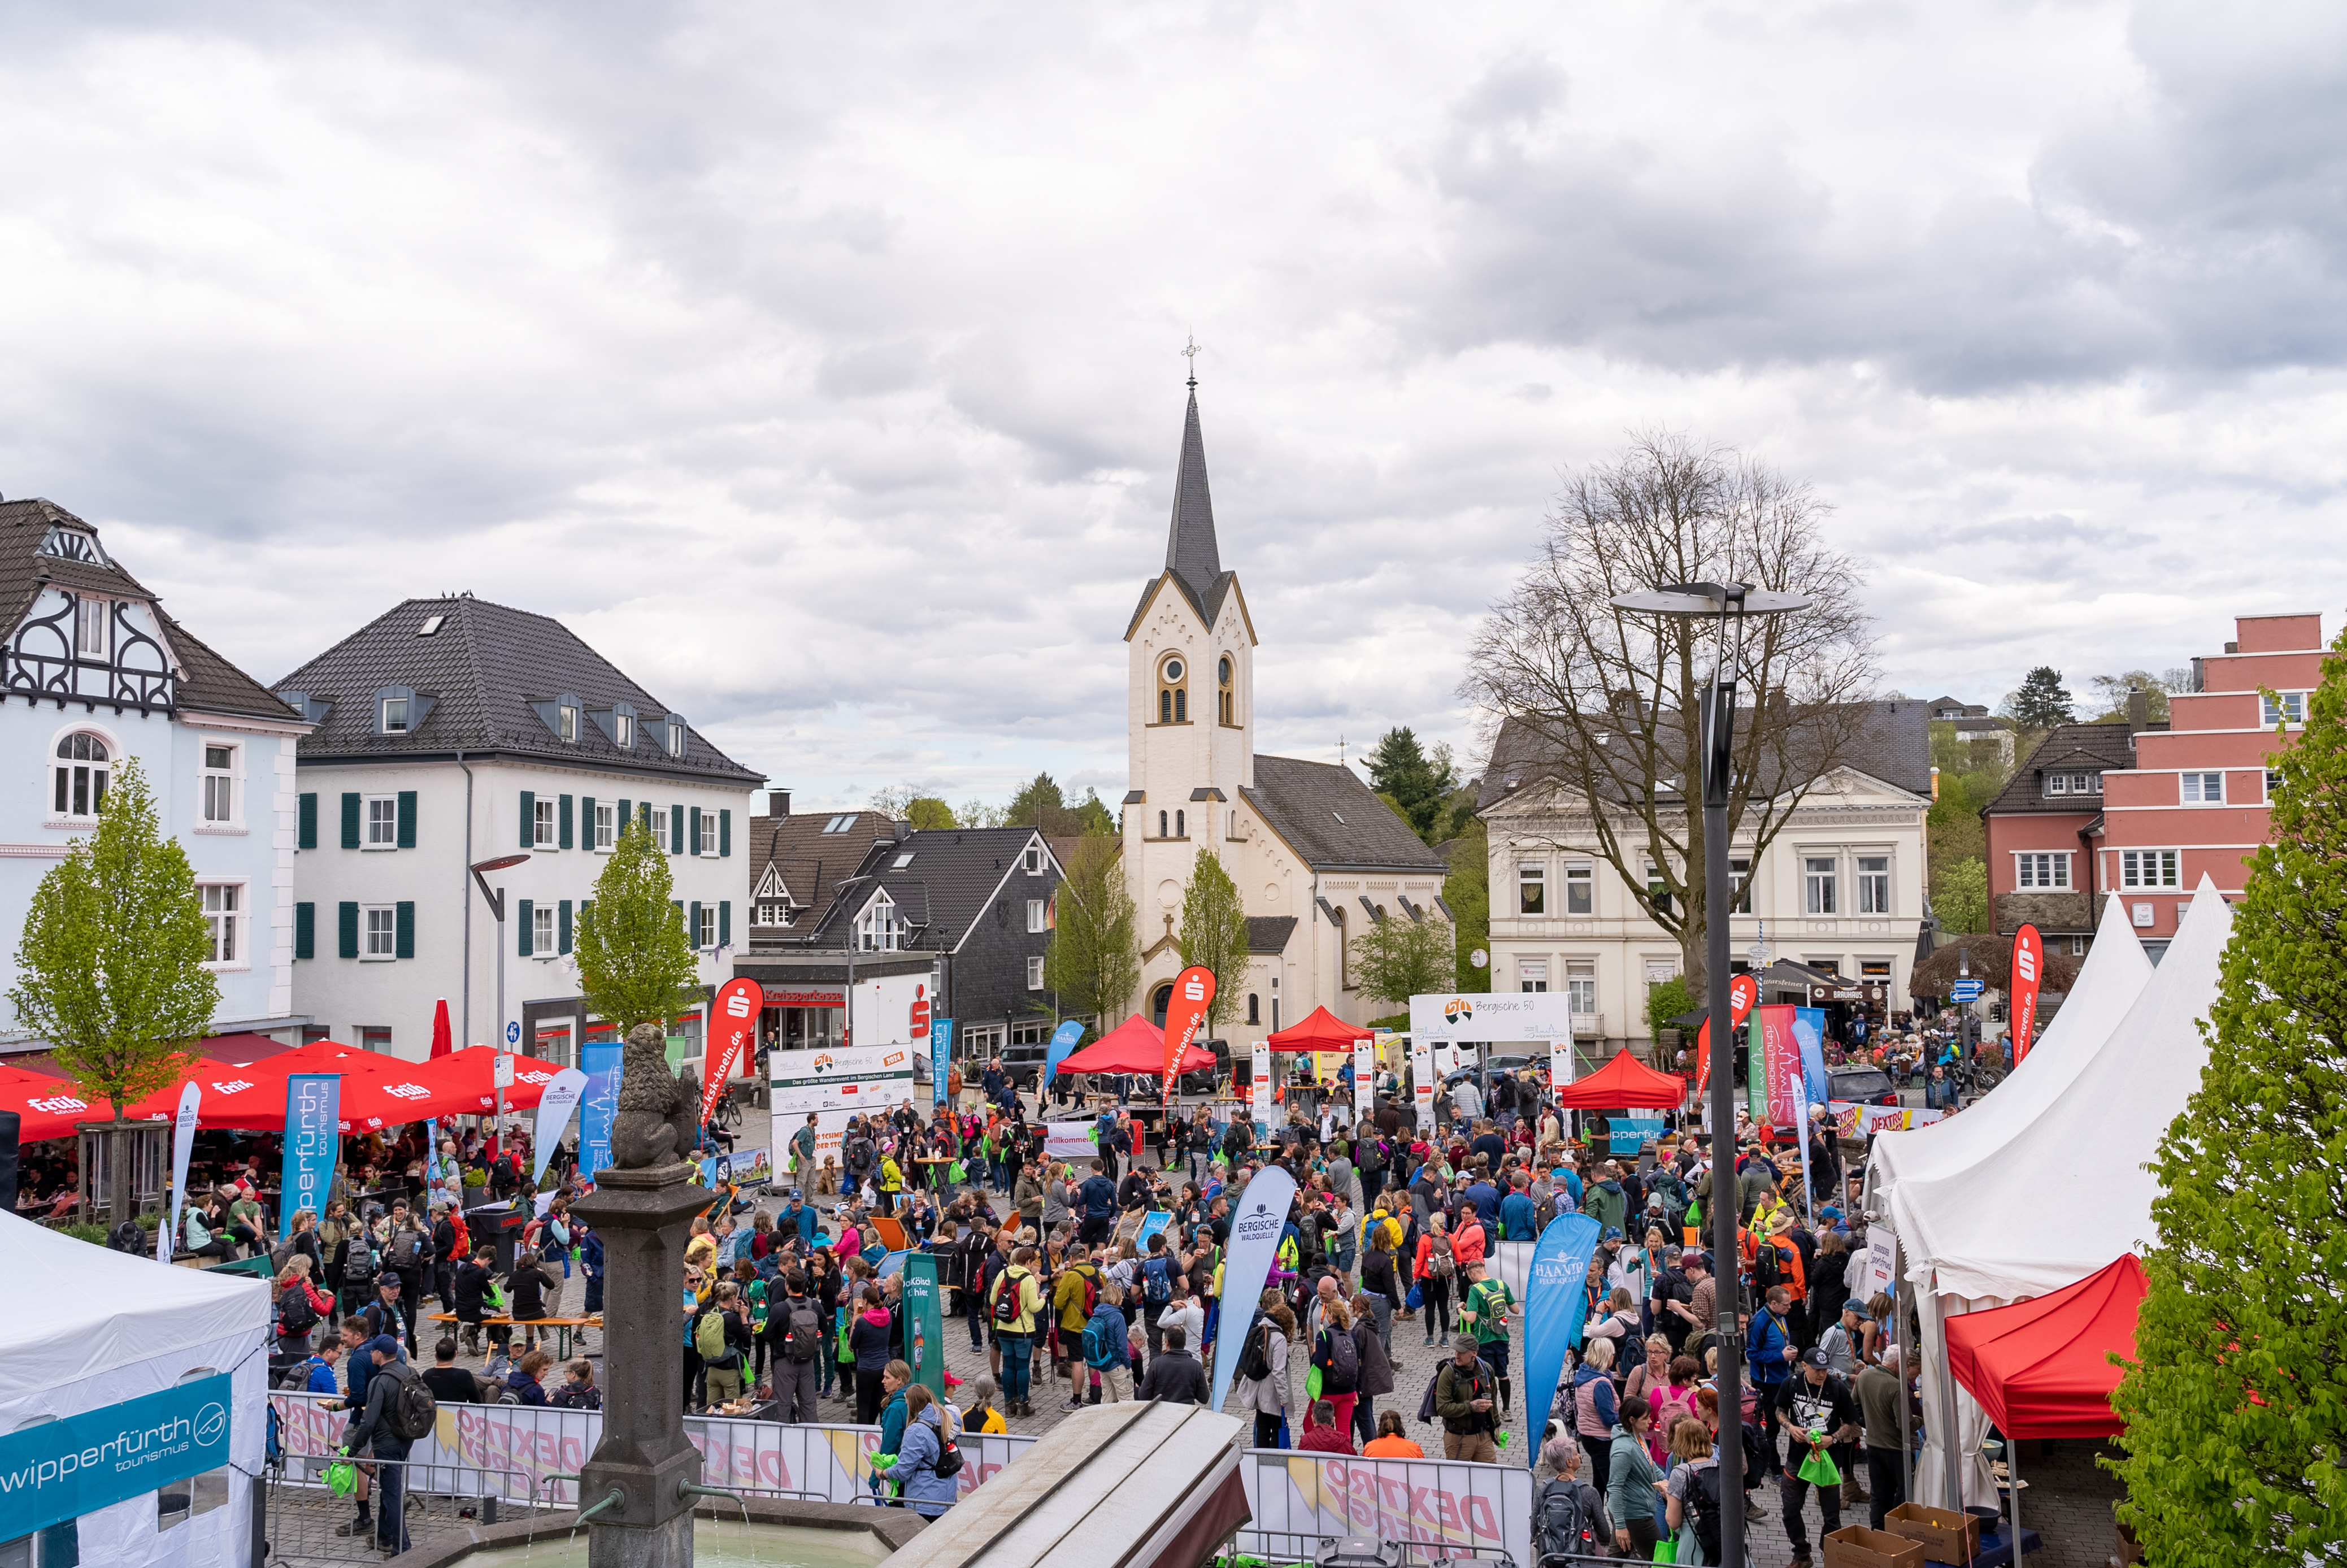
column 1633, row 1481
column 1483, row 1312
column 1466, row 1397
column 1691, row 1490
column 1437, row 1267
column 1337, row 1356
column 1568, row 1517
column 721, row 1337
column 796, row 1328
column 315, row 1373
column 398, row 1412
column 1074, row 1293
column 928, row 1454
column 1017, row 1304
column 1107, row 1351
column 1158, row 1274
column 1595, row 1410
column 386, row 1314
column 359, row 1260
column 1768, row 1355
column 1261, row 1373
column 300, row 1307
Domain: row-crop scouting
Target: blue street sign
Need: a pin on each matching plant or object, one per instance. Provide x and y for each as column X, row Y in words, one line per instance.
column 1966, row 990
column 513, row 1031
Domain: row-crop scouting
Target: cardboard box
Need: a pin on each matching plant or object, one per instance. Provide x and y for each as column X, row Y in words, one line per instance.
column 1947, row 1536
column 1856, row 1546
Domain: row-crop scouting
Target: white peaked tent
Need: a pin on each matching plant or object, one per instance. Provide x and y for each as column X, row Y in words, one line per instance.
column 85, row 1328
column 2069, row 1190
column 2108, row 983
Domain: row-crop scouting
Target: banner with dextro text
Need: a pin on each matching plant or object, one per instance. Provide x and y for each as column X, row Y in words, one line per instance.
column 1185, row 1012
column 314, row 1135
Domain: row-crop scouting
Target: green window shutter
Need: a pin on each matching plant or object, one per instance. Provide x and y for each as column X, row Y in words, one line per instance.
column 525, row 922
column 350, row 822
column 725, row 922
column 529, row 820
column 562, row 823
column 562, row 927
column 692, row 831
column 676, row 830
column 346, row 929
column 402, row 936
column 586, row 821
column 407, row 819
column 309, row 834
column 693, row 924
column 725, row 833
column 305, row 927
column 620, row 819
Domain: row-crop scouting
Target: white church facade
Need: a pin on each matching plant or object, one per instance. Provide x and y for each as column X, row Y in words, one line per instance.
column 1316, row 855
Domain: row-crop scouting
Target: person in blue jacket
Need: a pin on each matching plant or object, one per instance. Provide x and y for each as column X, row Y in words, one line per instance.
column 920, row 1450
column 1769, row 1352
column 1519, row 1219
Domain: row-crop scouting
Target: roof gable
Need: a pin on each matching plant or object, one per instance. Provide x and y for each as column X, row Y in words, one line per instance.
column 2066, row 748
column 1331, row 819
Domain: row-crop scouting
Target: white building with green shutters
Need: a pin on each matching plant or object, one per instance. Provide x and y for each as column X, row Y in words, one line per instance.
column 450, row 733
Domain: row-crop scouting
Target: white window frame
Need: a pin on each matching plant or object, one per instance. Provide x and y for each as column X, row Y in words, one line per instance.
column 545, row 823
column 660, row 828
column 1034, row 860
column 1820, row 893
column 1532, row 877
column 566, row 723
column 2192, row 786
column 1035, row 974
column 877, row 929
column 675, row 738
column 2032, row 869
column 1580, row 987
column 93, row 628
column 217, row 786
column 708, row 845
column 2281, row 708
column 2057, row 784
column 237, row 920
column 1034, row 916
column 2273, row 781
column 1580, row 889
column 706, row 940
column 605, row 827
column 2167, row 864
column 368, row 929
column 61, row 772
column 624, row 731
column 1875, row 886
column 1531, row 975
column 387, row 807
column 544, row 937
column 1739, row 885
column 406, row 715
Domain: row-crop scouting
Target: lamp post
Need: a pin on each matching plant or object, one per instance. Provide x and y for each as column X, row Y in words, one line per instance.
column 1726, row 604
column 497, row 898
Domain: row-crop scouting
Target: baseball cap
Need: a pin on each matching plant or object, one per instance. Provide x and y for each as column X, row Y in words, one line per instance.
column 385, row 1344
column 1854, row 1305
column 1813, row 1359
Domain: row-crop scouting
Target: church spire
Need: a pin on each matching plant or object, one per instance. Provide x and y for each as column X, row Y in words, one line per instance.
column 1190, row 550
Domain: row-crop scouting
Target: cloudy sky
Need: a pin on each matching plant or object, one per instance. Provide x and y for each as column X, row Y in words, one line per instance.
column 821, row 364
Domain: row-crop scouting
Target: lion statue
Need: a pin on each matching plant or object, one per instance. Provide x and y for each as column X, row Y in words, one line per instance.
column 656, row 1121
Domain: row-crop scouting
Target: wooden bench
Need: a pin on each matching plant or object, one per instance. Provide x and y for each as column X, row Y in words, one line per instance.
column 562, row 1326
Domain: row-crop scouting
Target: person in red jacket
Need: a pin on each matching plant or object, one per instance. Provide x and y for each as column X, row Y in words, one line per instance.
column 1324, row 1435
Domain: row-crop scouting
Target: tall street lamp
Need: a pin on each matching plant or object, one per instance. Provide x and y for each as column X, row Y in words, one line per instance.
column 1726, row 604
column 497, row 898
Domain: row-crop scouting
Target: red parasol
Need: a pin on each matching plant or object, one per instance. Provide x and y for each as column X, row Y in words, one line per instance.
column 442, row 1041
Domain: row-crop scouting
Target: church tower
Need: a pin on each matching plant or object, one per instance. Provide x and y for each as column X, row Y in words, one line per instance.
column 1191, row 709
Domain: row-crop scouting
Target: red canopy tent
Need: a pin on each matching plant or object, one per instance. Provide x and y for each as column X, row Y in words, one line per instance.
column 1324, row 1031
column 1136, row 1045
column 2041, row 1367
column 1625, row 1083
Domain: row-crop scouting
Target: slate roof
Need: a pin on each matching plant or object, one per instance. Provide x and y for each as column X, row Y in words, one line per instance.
column 1332, row 819
column 951, row 880
column 2066, row 748
column 208, row 683
column 812, row 861
column 1268, row 934
column 1891, row 741
column 1192, row 554
column 483, row 668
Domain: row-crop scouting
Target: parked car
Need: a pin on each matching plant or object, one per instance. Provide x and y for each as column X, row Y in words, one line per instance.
column 1860, row 1085
column 1023, row 1063
column 1504, row 1062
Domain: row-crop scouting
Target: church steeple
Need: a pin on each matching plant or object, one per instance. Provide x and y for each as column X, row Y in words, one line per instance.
column 1190, row 553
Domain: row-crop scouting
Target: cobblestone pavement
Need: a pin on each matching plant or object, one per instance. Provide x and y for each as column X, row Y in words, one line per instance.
column 2067, row 1498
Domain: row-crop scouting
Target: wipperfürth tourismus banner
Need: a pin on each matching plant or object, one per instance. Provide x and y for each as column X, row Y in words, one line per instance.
column 79, row 1464
column 314, row 1134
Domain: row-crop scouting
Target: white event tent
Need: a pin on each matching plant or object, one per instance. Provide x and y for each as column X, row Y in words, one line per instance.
column 86, row 1328
column 2052, row 1184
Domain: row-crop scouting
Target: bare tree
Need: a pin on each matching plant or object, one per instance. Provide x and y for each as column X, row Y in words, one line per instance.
column 1598, row 705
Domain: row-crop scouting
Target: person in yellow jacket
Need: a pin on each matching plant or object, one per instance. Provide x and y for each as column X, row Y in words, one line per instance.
column 1073, row 1296
column 892, row 1182
column 1014, row 1328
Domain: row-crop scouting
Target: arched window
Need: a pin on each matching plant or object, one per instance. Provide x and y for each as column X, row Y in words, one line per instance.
column 1254, row 1008
column 1164, row 707
column 1226, row 698
column 1180, row 825
column 1161, row 826
column 1159, row 1000
column 1173, row 689
column 81, row 771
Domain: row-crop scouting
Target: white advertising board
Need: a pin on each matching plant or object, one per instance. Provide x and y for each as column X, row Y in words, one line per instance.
column 835, row 1084
column 891, row 1011
column 1494, row 1017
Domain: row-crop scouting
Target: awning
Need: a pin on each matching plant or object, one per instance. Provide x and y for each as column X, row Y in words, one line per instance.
column 1324, row 1031
column 1136, row 1045
column 1625, row 1083
column 2042, row 1367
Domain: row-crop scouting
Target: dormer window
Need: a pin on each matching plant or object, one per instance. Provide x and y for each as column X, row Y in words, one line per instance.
column 1034, row 860
column 877, row 929
column 676, row 738
column 567, row 724
column 624, row 731
column 73, row 544
column 395, row 715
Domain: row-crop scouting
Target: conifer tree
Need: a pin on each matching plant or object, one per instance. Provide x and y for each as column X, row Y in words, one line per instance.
column 2235, row 1406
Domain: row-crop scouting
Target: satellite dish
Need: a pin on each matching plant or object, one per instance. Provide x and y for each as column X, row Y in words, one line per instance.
column 1479, row 957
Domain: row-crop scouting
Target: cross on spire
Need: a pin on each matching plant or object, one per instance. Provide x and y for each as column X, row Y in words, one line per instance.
column 1191, row 354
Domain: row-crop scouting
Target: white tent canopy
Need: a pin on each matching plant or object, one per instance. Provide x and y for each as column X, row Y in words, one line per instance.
column 2108, row 983
column 86, row 1328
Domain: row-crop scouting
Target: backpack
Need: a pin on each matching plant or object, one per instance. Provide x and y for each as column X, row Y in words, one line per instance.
column 948, row 1464
column 1090, row 1276
column 407, row 1249
column 1099, row 1352
column 802, row 1339
column 1343, row 1374
column 1703, row 1502
column 361, row 1262
column 1768, row 1268
column 1255, row 1362
column 1157, row 1281
column 1562, row 1524
column 413, row 1409
column 1007, row 1292
column 708, row 1340
column 294, row 1313
column 295, row 1379
column 1438, row 1258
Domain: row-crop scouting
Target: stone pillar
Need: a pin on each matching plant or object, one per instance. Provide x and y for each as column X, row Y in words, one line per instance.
column 642, row 1216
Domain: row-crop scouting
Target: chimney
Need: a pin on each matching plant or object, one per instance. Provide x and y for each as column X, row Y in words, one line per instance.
column 778, row 803
column 2139, row 711
column 904, row 830
column 2232, row 648
column 2200, row 675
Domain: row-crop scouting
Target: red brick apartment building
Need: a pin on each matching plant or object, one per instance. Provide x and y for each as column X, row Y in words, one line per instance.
column 2143, row 810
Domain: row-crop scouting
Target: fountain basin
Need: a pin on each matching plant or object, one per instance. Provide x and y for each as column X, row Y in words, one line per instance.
column 781, row 1534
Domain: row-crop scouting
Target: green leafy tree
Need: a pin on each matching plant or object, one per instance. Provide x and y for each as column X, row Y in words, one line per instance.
column 2236, row 1407
column 1960, row 896
column 2112, row 692
column 927, row 812
column 2042, row 701
column 1418, row 787
column 636, row 963
column 1396, row 958
column 1214, row 935
column 975, row 812
column 1040, row 803
column 1094, row 962
column 110, row 962
column 1468, row 891
column 1665, row 1001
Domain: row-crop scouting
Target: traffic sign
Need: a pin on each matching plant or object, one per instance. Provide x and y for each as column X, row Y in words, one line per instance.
column 1966, row 990
column 501, row 1071
column 513, row 1034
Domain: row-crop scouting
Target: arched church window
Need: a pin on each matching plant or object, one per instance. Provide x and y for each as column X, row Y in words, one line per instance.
column 1226, row 698
column 1164, row 707
column 1180, row 825
column 1161, row 826
column 1174, row 690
